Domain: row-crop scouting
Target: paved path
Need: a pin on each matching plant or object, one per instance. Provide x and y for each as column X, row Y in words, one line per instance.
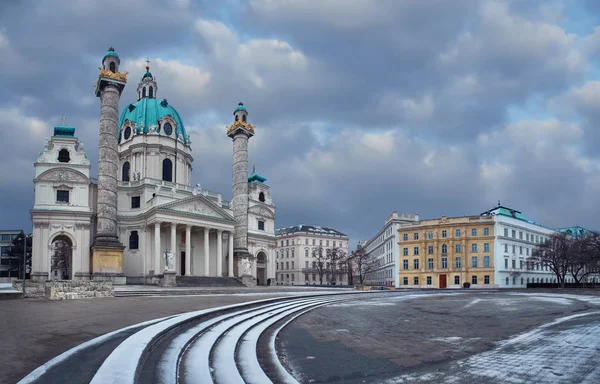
column 34, row 331
column 231, row 344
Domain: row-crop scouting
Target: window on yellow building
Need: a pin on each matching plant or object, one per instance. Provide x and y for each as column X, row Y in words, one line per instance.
column 474, row 261
column 428, row 280
column 416, row 281
column 458, row 262
column 456, row 280
column 430, row 250
column 473, row 280
column 486, row 231
column 444, row 249
column 458, row 233
column 430, row 235
column 458, row 250
column 444, row 234
column 486, row 279
column 486, row 247
column 405, row 281
column 474, row 232
column 486, row 261
column 405, row 237
column 405, row 264
column 416, row 263
column 430, row 263
column 444, row 262
column 416, row 236
column 405, row 251
column 415, row 251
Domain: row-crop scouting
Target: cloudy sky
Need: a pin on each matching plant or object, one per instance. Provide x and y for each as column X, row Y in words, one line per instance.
column 361, row 107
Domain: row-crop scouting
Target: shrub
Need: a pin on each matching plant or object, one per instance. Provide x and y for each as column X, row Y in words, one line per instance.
column 466, row 285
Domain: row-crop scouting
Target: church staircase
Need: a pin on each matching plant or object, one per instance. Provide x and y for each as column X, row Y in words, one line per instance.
column 207, row 281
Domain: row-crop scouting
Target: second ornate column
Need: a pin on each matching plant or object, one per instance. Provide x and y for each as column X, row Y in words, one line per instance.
column 206, row 251
column 157, row 248
column 219, row 253
column 230, row 266
column 188, row 250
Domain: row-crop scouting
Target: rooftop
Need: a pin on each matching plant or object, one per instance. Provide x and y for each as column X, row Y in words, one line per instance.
column 314, row 229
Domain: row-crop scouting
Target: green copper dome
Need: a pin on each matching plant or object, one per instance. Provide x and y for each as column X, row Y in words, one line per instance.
column 240, row 107
column 146, row 112
column 111, row 52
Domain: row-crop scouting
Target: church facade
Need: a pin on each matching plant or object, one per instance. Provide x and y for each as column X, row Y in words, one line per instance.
column 163, row 222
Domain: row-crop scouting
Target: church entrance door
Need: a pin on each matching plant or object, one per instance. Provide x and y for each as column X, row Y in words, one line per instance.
column 261, row 268
column 61, row 258
column 182, row 263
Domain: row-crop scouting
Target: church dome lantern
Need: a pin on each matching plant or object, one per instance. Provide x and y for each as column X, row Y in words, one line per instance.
column 111, row 61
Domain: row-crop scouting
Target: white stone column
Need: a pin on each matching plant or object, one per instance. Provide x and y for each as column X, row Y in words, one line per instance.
column 219, row 253
column 188, row 250
column 157, row 248
column 173, row 238
column 206, row 251
column 230, row 267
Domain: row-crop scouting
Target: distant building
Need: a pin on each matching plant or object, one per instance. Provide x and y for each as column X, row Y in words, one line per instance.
column 9, row 266
column 515, row 237
column 447, row 252
column 294, row 254
column 383, row 247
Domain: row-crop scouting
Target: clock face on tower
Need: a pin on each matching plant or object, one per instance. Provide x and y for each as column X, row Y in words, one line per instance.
column 168, row 129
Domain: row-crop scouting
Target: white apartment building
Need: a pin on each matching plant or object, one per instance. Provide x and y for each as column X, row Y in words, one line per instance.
column 515, row 237
column 295, row 264
column 383, row 247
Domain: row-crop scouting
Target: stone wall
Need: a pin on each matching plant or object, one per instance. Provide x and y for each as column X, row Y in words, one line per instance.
column 66, row 289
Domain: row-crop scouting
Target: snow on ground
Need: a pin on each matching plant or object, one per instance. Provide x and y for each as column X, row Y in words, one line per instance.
column 545, row 355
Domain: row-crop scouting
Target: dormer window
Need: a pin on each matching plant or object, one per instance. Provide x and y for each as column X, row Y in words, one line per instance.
column 168, row 129
column 63, row 156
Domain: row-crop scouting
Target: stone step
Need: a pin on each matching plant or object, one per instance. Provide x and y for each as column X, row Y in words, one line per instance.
column 208, row 281
column 174, row 292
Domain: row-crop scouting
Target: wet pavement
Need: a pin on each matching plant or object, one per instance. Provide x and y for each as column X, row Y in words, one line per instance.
column 450, row 337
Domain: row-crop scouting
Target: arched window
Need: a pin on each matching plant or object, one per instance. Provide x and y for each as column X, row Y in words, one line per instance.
column 444, row 249
column 261, row 197
column 63, row 156
column 150, row 91
column 113, row 67
column 144, row 92
column 237, row 117
column 167, row 174
column 133, row 240
column 244, row 118
column 125, row 171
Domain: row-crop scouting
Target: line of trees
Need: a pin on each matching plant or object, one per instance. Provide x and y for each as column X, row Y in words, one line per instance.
column 330, row 263
column 15, row 254
column 566, row 255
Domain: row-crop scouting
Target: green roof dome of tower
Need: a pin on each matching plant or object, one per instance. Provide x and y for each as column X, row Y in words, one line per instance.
column 111, row 52
column 146, row 112
column 240, row 107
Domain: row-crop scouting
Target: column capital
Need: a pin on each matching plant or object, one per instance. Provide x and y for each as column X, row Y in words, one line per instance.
column 220, row 231
column 157, row 223
column 188, row 227
column 173, row 225
column 206, row 229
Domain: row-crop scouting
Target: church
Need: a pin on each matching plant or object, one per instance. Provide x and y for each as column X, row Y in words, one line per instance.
column 143, row 218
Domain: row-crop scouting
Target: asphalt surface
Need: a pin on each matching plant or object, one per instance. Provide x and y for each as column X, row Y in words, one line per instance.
column 450, row 337
column 33, row 331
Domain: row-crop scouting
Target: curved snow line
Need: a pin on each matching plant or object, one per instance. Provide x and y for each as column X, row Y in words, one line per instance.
column 168, row 365
column 248, row 360
column 197, row 365
column 122, row 364
column 41, row 370
column 224, row 356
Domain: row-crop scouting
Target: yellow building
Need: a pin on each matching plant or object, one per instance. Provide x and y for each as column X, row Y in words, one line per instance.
column 447, row 252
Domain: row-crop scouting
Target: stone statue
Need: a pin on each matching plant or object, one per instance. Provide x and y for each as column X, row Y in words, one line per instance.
column 46, row 143
column 136, row 176
column 169, row 261
column 81, row 147
column 247, row 266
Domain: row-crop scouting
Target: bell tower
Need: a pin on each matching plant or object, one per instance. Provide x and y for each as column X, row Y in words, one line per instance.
column 107, row 251
column 240, row 132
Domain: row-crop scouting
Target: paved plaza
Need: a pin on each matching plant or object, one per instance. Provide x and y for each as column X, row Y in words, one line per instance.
column 343, row 337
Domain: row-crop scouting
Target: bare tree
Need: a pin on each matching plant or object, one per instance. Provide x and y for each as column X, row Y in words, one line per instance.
column 348, row 263
column 335, row 257
column 15, row 253
column 555, row 252
column 60, row 257
column 320, row 264
column 581, row 260
column 363, row 262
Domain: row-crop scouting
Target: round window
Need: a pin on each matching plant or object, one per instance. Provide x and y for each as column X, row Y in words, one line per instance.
column 127, row 133
column 168, row 129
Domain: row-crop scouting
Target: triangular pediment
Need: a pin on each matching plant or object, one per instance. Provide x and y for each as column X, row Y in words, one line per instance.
column 199, row 205
column 262, row 210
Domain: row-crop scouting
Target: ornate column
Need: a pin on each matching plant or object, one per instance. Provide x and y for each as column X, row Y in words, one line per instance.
column 206, row 251
column 230, row 266
column 157, row 247
column 173, row 243
column 107, row 250
column 240, row 132
column 188, row 250
column 219, row 253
